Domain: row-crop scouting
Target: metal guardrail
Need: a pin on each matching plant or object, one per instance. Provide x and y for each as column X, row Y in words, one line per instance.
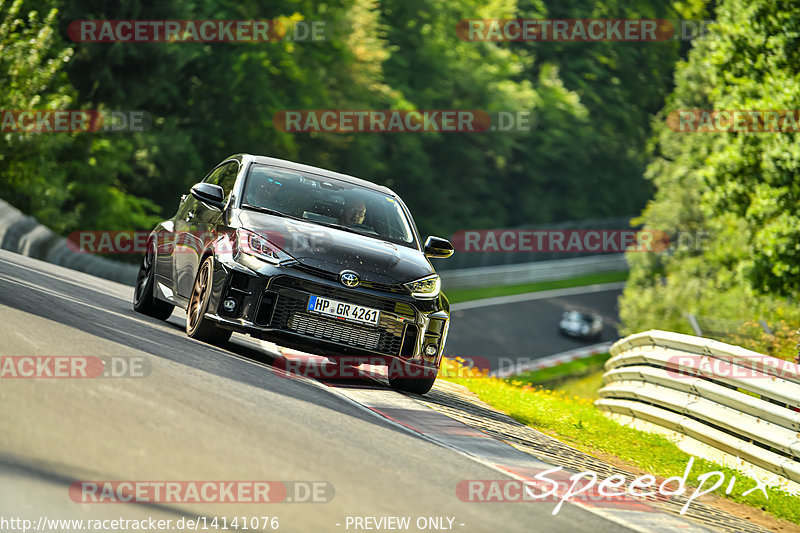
column 738, row 401
column 24, row 235
column 551, row 360
column 531, row 272
column 475, row 259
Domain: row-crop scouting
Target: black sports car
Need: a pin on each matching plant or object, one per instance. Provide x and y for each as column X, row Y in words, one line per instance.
column 304, row 257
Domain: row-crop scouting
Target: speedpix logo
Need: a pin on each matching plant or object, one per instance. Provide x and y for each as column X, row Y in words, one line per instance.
column 557, row 485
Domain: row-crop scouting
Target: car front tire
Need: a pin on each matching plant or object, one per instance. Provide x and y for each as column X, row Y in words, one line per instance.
column 197, row 325
column 413, row 378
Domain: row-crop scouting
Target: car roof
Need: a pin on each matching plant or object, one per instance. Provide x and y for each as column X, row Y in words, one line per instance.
column 283, row 163
column 584, row 315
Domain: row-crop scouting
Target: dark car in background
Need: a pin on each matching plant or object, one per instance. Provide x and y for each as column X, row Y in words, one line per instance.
column 585, row 326
column 304, row 257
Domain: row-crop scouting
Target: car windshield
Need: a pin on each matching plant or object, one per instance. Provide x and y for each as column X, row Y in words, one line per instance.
column 328, row 202
column 578, row 316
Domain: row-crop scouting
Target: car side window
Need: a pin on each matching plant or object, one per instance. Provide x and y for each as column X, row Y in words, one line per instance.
column 215, row 175
column 225, row 177
column 228, row 178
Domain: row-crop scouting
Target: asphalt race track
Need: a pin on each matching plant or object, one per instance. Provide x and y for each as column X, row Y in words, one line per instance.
column 504, row 329
column 204, row 413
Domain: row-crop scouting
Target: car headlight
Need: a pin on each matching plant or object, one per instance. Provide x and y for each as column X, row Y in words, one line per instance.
column 427, row 287
column 258, row 246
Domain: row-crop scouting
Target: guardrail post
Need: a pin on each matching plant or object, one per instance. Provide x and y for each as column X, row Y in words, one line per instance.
column 693, row 322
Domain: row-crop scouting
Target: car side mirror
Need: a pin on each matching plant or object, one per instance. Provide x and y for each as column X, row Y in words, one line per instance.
column 207, row 193
column 438, row 248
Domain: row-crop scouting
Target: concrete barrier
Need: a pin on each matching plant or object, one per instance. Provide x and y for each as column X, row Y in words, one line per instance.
column 24, row 235
column 740, row 402
column 531, row 272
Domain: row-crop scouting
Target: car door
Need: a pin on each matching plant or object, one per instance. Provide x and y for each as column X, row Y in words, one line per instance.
column 193, row 226
column 218, row 223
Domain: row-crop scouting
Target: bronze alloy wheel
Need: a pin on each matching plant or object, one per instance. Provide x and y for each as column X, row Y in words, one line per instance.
column 199, row 300
column 197, row 325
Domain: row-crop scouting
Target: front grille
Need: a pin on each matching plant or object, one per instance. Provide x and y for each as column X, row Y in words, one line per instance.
column 327, row 329
column 347, row 295
column 265, row 307
column 409, row 340
column 324, row 274
column 290, row 314
column 240, row 281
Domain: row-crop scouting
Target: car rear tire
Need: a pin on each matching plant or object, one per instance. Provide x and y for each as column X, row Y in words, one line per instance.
column 197, row 325
column 410, row 377
column 143, row 300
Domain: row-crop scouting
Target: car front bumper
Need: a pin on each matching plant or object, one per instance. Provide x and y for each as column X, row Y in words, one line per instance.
column 271, row 304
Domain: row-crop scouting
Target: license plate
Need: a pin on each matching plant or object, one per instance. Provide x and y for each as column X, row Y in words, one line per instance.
column 343, row 310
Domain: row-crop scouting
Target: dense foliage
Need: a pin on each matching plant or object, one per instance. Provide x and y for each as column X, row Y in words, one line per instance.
column 592, row 104
column 595, row 105
column 738, row 189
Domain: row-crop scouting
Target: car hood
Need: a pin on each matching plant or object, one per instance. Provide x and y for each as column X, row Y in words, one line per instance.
column 334, row 250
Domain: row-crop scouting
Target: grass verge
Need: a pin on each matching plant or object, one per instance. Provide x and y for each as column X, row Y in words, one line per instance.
column 464, row 295
column 577, row 422
column 550, row 376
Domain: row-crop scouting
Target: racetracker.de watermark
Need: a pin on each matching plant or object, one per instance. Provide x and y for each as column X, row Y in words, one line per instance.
column 401, row 121
column 194, row 523
column 286, row 239
column 196, row 31
column 734, row 121
column 291, row 241
column 204, row 491
column 73, row 366
column 355, row 368
column 581, row 30
column 73, row 121
column 755, row 366
column 576, row 241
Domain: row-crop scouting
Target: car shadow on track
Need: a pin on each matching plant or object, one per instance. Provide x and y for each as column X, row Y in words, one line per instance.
column 305, row 366
column 111, row 319
column 51, row 482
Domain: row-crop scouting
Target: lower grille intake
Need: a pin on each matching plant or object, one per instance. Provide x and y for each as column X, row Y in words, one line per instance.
column 337, row 332
column 290, row 314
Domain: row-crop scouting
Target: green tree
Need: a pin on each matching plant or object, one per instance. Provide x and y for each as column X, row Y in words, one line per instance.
column 31, row 76
column 620, row 86
column 210, row 100
column 67, row 180
column 740, row 188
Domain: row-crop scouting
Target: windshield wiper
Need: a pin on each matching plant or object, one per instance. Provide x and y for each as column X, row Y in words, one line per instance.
column 269, row 211
column 345, row 228
column 367, row 233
